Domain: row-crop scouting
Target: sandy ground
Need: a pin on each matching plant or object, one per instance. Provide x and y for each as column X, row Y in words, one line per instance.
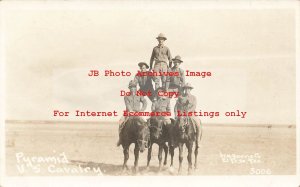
column 91, row 149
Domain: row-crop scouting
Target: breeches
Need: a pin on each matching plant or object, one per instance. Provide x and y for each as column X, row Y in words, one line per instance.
column 160, row 67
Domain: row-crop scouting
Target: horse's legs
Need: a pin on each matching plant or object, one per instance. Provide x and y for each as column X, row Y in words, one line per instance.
column 172, row 155
column 160, row 149
column 136, row 158
column 180, row 146
column 149, row 155
column 189, row 157
column 166, row 153
column 126, row 157
column 196, row 154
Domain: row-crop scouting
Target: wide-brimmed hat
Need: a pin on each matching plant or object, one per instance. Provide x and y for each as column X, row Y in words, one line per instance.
column 188, row 85
column 158, row 90
column 161, row 35
column 132, row 83
column 143, row 63
column 177, row 58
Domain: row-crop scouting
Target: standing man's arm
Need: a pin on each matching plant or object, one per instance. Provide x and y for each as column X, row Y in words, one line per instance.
column 192, row 103
column 169, row 57
column 168, row 107
column 175, row 109
column 136, row 77
column 152, row 59
column 182, row 77
column 127, row 103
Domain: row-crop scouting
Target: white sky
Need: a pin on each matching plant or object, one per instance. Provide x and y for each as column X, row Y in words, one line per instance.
column 250, row 52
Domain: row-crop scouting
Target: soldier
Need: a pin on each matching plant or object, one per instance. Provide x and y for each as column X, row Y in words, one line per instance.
column 175, row 83
column 162, row 56
column 187, row 103
column 133, row 104
column 145, row 82
column 162, row 104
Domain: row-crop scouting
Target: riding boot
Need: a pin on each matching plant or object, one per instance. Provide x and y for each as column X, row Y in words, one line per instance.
column 119, row 141
column 120, row 131
column 197, row 135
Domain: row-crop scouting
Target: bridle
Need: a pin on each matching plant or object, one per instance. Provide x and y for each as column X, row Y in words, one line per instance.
column 158, row 128
column 185, row 124
column 142, row 141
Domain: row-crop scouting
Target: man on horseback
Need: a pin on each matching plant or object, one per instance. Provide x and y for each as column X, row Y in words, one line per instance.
column 162, row 104
column 133, row 104
column 187, row 103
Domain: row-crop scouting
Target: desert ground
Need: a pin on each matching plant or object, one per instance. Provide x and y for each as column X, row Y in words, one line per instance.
column 93, row 146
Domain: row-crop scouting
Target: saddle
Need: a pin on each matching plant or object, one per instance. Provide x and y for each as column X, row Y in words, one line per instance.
column 189, row 120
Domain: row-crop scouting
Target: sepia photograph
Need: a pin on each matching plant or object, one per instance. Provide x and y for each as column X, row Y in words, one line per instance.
column 172, row 92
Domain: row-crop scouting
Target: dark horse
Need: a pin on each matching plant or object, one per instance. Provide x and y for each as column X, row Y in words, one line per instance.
column 134, row 131
column 186, row 134
column 160, row 133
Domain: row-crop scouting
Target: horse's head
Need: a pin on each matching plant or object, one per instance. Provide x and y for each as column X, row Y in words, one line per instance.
column 143, row 137
column 182, row 125
column 156, row 128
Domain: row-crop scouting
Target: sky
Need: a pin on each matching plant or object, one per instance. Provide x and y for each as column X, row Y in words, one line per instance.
column 250, row 53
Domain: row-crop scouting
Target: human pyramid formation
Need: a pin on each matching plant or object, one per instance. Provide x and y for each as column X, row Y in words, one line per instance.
column 173, row 81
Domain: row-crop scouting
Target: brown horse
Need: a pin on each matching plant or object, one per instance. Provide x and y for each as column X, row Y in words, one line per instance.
column 185, row 134
column 134, row 131
column 160, row 133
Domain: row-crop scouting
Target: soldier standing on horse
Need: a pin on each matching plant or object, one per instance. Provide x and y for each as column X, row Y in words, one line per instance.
column 144, row 81
column 162, row 56
column 133, row 104
column 187, row 103
column 175, row 83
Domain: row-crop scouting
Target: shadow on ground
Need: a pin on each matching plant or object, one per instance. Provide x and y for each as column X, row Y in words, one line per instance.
column 116, row 170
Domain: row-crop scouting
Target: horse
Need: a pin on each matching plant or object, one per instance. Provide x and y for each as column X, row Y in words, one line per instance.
column 186, row 134
column 134, row 131
column 160, row 133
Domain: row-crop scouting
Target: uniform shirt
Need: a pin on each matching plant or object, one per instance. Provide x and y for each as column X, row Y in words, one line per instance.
column 145, row 82
column 179, row 80
column 186, row 103
column 133, row 103
column 161, row 53
column 161, row 105
column 191, row 103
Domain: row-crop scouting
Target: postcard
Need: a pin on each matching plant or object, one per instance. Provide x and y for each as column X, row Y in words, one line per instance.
column 146, row 93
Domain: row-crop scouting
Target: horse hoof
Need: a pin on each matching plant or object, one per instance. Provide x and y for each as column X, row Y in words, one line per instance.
column 123, row 171
column 159, row 170
column 165, row 167
column 179, row 172
column 171, row 170
column 190, row 172
column 135, row 171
